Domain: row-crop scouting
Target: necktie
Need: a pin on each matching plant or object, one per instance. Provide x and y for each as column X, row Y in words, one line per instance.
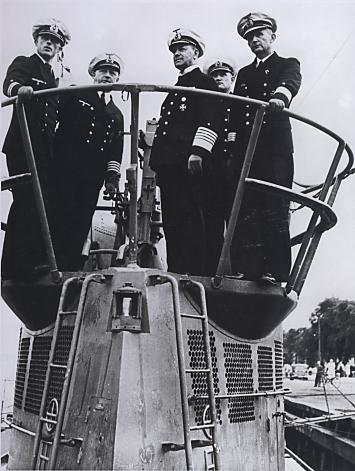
column 50, row 70
column 102, row 97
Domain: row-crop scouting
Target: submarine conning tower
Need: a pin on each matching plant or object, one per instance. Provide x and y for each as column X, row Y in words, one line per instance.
column 126, row 366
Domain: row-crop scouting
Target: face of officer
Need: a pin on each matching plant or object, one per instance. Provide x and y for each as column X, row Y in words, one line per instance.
column 47, row 46
column 260, row 42
column 184, row 56
column 223, row 79
column 106, row 75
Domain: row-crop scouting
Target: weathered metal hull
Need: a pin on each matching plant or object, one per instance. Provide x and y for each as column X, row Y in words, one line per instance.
column 124, row 399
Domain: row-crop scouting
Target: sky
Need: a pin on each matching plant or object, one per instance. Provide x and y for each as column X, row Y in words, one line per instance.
column 319, row 33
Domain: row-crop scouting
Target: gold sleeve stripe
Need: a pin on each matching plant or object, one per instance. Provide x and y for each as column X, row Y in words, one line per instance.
column 205, row 138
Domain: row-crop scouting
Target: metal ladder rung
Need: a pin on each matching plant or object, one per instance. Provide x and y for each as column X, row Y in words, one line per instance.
column 200, row 427
column 192, row 316
column 169, row 446
column 43, row 457
column 56, row 365
column 48, row 421
column 198, row 370
column 67, row 313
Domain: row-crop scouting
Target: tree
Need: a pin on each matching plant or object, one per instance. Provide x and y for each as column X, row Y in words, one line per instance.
column 337, row 331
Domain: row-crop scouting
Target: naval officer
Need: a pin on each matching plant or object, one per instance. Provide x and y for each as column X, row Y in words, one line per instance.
column 24, row 253
column 181, row 152
column 223, row 71
column 88, row 155
column 261, row 249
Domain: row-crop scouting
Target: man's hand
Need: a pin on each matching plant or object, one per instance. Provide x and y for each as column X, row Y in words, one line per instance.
column 275, row 104
column 142, row 143
column 25, row 94
column 111, row 185
column 194, row 165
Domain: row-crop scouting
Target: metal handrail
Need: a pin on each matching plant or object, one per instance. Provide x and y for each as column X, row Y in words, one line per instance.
column 37, row 190
column 313, row 233
column 327, row 215
column 224, row 265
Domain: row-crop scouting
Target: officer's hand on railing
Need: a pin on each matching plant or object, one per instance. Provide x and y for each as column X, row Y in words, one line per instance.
column 142, row 143
column 25, row 94
column 194, row 165
column 275, row 104
column 112, row 181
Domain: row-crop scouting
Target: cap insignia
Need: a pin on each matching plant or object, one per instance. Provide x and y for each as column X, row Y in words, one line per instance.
column 109, row 58
column 54, row 28
column 177, row 34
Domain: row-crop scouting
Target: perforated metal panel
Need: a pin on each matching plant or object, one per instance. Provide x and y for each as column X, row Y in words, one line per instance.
column 278, row 364
column 60, row 357
column 239, row 379
column 265, row 368
column 38, row 366
column 199, row 380
column 24, row 348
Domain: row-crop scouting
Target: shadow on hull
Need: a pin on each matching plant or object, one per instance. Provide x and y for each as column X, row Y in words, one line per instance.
column 242, row 308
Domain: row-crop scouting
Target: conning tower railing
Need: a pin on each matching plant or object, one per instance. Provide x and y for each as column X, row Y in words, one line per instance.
column 323, row 217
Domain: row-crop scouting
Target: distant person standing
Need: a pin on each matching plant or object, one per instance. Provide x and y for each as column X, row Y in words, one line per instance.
column 24, row 253
column 261, row 249
column 319, row 374
column 223, row 71
column 87, row 155
column 330, row 369
column 187, row 131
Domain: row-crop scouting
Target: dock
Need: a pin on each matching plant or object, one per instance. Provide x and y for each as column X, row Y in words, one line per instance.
column 320, row 423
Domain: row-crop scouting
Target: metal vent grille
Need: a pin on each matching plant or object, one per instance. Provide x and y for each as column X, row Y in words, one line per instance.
column 278, row 364
column 21, row 371
column 60, row 357
column 38, row 367
column 265, row 368
column 239, row 379
column 199, row 380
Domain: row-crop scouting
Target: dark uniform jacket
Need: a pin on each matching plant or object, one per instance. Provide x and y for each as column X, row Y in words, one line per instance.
column 88, row 143
column 23, row 245
column 89, row 135
column 226, row 135
column 188, row 123
column 41, row 112
column 263, row 83
column 262, row 241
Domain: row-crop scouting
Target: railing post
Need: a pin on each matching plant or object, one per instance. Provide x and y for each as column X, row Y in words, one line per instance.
column 133, row 247
column 56, row 275
column 224, row 265
column 302, row 263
